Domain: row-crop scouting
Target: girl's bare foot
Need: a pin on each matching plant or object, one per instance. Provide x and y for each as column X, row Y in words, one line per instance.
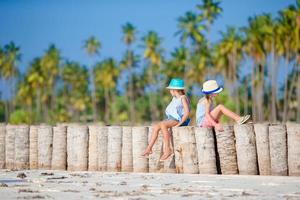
column 166, row 155
column 146, row 153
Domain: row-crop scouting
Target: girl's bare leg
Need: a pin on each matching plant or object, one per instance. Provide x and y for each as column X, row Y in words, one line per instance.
column 220, row 109
column 166, row 137
column 153, row 138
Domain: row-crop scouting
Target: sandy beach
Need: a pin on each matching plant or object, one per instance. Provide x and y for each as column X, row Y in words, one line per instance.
column 46, row 184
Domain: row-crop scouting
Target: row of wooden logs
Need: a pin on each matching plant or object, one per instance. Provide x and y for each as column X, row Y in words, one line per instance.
column 265, row 149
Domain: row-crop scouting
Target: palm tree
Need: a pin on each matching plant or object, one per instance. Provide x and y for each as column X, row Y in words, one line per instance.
column 75, row 79
column 36, row 80
column 105, row 76
column 190, row 27
column 50, row 66
column 286, row 24
column 9, row 58
column 295, row 32
column 176, row 65
column 210, row 10
column 92, row 46
column 152, row 53
column 254, row 48
column 228, row 56
column 129, row 62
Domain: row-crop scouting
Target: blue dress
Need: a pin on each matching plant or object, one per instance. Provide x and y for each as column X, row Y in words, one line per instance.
column 175, row 111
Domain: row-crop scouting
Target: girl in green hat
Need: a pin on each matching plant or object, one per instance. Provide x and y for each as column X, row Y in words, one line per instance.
column 177, row 113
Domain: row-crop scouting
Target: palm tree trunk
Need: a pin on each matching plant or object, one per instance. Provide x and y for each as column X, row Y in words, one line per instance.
column 292, row 85
column 59, row 153
column 127, row 159
column 6, row 111
column 293, row 148
column 278, row 150
column 102, row 148
column 38, row 104
column 246, row 149
column 236, row 89
column 188, row 150
column 77, row 147
column 253, row 95
column 226, row 150
column 274, row 90
column 93, row 89
column 154, row 164
column 22, row 147
column 106, row 109
column 33, row 147
column 298, row 94
column 260, row 107
column 206, row 150
column 2, row 146
column 139, row 143
column 246, row 97
column 93, row 146
column 152, row 101
column 114, row 149
column 263, row 148
column 12, row 93
column 285, row 96
column 45, row 146
column 113, row 108
column 10, row 146
column 131, row 97
column 272, row 116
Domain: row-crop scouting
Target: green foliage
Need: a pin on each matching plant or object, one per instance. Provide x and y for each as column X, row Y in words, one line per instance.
column 20, row 117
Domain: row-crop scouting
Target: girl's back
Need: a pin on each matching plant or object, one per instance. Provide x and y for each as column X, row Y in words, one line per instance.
column 200, row 112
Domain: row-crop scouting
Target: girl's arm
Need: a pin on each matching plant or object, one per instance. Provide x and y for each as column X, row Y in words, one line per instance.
column 207, row 113
column 185, row 109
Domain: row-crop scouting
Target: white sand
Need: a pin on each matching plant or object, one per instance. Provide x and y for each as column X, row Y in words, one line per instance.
column 96, row 185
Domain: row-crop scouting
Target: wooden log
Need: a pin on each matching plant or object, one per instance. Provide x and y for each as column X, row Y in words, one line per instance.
column 263, row 148
column 278, row 149
column 93, row 150
column 10, row 146
column 188, row 150
column 127, row 162
column 246, row 149
column 45, row 146
column 226, row 150
column 206, row 150
column 33, row 147
column 2, row 145
column 177, row 151
column 21, row 147
column 293, row 134
column 155, row 166
column 102, row 139
column 169, row 164
column 114, row 150
column 139, row 144
column 59, row 155
column 77, row 147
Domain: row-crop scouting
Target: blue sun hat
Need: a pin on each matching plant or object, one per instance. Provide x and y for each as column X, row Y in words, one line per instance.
column 176, row 84
column 211, row 87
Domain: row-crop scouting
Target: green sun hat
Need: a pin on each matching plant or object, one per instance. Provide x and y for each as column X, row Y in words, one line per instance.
column 176, row 84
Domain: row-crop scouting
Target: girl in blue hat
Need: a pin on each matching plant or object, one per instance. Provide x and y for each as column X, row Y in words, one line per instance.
column 177, row 113
column 208, row 116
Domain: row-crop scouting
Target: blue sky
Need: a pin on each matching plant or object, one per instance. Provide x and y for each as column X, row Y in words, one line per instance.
column 34, row 24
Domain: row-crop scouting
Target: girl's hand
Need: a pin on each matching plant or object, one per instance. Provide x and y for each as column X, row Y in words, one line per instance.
column 219, row 127
column 177, row 125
